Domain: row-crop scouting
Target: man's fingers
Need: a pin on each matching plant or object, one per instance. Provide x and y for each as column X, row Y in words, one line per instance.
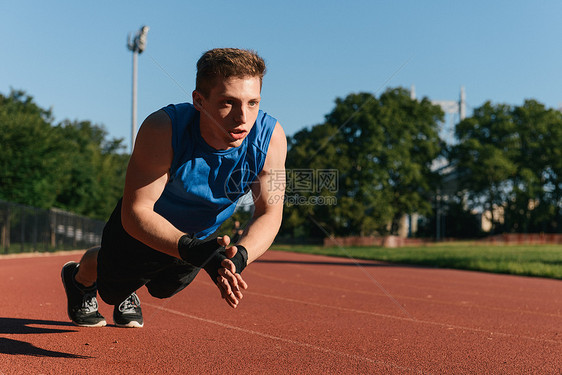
column 223, row 241
column 226, row 292
column 236, row 278
column 241, row 281
column 231, row 251
column 227, row 264
column 233, row 282
column 229, row 282
column 227, row 299
column 224, row 286
column 231, row 304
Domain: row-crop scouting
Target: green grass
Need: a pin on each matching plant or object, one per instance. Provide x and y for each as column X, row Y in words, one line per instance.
column 527, row 260
column 32, row 248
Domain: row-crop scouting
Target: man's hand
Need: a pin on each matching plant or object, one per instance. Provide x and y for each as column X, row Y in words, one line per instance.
column 229, row 282
column 201, row 253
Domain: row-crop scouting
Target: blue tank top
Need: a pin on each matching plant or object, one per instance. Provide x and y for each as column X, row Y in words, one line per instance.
column 205, row 184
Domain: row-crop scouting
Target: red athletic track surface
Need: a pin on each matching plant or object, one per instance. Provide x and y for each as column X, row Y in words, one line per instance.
column 303, row 314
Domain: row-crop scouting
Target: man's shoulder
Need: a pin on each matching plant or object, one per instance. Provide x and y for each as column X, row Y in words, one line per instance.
column 278, row 139
column 264, row 117
column 264, row 125
column 173, row 110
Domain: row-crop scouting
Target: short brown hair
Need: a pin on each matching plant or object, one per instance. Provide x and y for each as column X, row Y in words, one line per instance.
column 224, row 63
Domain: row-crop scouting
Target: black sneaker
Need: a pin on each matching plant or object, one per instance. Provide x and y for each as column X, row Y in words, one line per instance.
column 82, row 305
column 128, row 313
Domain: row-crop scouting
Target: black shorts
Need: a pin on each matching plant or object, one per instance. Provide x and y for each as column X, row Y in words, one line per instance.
column 126, row 264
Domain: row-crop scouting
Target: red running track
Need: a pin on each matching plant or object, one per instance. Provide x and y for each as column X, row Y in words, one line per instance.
column 303, row 314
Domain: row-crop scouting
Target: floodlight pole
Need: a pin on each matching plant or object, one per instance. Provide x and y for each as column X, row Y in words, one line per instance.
column 134, row 105
column 136, row 45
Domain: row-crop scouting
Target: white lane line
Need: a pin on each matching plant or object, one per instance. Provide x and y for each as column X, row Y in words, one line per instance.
column 439, row 277
column 285, row 340
column 402, row 297
column 444, row 325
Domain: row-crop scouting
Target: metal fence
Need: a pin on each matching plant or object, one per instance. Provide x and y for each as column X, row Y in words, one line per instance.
column 27, row 229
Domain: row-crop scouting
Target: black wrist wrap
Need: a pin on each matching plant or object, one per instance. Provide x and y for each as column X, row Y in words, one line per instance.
column 198, row 252
column 214, row 264
column 208, row 254
column 240, row 259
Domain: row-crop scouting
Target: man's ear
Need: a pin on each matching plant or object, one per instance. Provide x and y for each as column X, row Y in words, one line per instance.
column 197, row 99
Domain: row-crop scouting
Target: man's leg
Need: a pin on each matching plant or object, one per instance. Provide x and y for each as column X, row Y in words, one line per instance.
column 81, row 291
column 172, row 280
column 88, row 271
column 128, row 313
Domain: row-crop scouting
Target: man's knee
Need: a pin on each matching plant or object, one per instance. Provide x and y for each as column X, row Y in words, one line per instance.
column 163, row 291
column 165, row 288
column 90, row 257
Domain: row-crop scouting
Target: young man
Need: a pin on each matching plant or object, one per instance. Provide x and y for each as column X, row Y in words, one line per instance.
column 189, row 167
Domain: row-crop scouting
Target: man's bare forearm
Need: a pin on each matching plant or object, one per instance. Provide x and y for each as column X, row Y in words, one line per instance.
column 151, row 229
column 260, row 233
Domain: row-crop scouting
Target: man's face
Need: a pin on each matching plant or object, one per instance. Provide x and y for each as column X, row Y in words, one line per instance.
column 229, row 112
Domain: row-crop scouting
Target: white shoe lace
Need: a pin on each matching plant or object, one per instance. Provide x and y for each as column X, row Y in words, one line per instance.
column 89, row 303
column 129, row 305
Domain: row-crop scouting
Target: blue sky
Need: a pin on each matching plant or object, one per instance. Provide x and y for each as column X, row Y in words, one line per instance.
column 71, row 56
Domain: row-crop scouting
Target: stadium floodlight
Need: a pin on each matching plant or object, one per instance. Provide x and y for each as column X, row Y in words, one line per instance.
column 136, row 45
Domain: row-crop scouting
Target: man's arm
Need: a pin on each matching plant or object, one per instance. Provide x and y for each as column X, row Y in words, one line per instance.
column 268, row 192
column 147, row 175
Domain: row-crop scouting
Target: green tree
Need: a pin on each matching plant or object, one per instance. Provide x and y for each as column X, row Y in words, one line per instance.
column 509, row 157
column 484, row 156
column 97, row 174
column 382, row 149
column 535, row 202
column 71, row 166
column 552, row 174
column 33, row 160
